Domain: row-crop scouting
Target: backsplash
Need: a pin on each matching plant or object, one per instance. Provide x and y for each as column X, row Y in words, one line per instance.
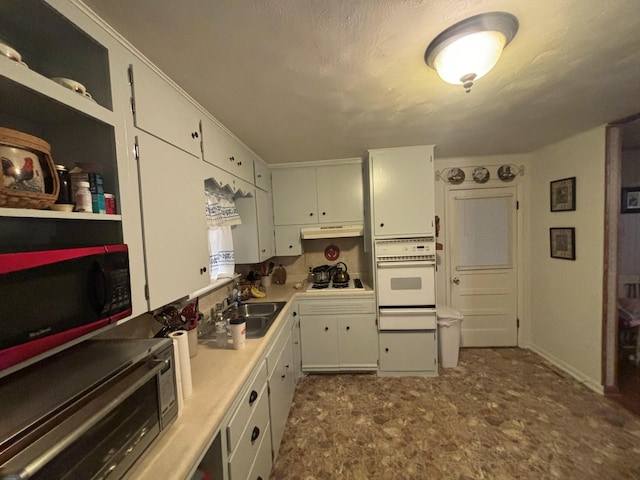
column 351, row 253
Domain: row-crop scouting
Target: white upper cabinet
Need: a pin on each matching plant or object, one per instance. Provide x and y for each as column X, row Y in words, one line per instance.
column 295, row 199
column 262, row 176
column 340, row 193
column 163, row 111
column 253, row 238
column 173, row 213
column 314, row 195
column 222, row 150
column 402, row 190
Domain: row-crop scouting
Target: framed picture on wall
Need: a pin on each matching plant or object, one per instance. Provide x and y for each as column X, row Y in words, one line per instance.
column 563, row 195
column 563, row 243
column 630, row 201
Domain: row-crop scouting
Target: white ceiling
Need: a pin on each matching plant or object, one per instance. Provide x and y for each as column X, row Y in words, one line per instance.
column 301, row 80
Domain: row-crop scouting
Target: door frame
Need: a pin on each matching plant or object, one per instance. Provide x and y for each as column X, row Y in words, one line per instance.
column 613, row 172
column 522, row 296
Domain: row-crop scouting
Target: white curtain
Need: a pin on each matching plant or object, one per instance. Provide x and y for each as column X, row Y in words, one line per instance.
column 221, row 213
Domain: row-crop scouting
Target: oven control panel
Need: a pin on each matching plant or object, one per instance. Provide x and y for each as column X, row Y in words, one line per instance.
column 405, row 247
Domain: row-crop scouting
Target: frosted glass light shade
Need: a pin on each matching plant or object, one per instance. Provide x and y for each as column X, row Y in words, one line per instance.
column 468, row 49
column 472, row 54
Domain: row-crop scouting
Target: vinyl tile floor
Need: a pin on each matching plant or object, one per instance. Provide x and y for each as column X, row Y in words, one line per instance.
column 501, row 414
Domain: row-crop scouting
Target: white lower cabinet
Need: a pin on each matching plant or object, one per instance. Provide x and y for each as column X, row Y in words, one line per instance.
column 405, row 352
column 338, row 335
column 282, row 380
column 248, row 431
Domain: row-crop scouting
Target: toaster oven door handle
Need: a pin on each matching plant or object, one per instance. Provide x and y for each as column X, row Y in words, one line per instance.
column 50, row 444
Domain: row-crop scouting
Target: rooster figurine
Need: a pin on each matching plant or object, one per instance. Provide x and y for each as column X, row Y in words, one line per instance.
column 22, row 176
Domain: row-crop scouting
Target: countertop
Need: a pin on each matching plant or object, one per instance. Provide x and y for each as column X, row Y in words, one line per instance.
column 218, row 375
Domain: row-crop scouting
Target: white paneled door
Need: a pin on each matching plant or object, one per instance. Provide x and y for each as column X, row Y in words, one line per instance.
column 482, row 233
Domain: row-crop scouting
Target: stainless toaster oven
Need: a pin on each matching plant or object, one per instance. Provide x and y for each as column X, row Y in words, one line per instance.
column 88, row 412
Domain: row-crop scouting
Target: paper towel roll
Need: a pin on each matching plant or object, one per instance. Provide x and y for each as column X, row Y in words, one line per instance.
column 182, row 353
column 176, row 363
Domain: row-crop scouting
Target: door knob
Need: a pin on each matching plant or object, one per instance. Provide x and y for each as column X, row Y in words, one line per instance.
column 456, row 280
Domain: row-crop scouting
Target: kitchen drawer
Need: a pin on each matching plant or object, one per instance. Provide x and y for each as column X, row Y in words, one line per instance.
column 408, row 352
column 248, row 446
column 252, row 398
column 262, row 465
column 337, row 307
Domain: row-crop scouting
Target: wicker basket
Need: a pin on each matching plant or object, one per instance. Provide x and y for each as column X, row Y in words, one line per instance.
column 28, row 177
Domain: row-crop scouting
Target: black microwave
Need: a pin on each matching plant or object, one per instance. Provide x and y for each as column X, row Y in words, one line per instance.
column 48, row 298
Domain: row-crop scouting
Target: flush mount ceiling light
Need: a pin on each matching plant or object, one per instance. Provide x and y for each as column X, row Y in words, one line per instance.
column 466, row 51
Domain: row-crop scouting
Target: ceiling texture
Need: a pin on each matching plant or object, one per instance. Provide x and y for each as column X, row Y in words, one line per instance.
column 303, row 80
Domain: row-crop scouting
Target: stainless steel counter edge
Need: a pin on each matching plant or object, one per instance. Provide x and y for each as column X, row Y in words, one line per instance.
column 218, row 376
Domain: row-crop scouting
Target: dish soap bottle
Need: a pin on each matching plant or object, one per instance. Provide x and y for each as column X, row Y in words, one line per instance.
column 279, row 275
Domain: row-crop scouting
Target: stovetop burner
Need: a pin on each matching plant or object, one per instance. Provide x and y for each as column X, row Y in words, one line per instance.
column 353, row 284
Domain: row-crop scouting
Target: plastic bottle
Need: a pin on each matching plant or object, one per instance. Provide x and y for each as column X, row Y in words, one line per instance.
column 83, row 198
column 221, row 330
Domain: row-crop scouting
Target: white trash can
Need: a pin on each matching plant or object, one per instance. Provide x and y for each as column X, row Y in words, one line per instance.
column 449, row 326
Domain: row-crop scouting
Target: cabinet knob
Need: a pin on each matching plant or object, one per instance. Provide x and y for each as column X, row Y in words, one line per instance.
column 239, row 163
column 283, row 376
column 348, row 328
column 286, row 366
column 255, row 434
column 295, row 314
column 386, row 349
column 311, row 214
column 456, row 280
column 326, row 329
column 232, row 159
column 259, row 176
column 382, row 225
column 263, row 250
column 253, row 396
column 324, row 213
column 194, row 135
column 290, row 246
column 203, row 270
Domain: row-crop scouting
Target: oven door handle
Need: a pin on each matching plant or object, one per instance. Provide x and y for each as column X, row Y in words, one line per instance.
column 37, row 455
column 400, row 264
column 407, row 312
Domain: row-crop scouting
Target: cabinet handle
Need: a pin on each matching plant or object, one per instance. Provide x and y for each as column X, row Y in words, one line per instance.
column 203, row 270
column 255, row 434
column 194, row 135
column 240, row 163
column 232, row 159
column 253, row 396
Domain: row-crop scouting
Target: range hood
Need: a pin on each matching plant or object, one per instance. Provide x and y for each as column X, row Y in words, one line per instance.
column 318, row 231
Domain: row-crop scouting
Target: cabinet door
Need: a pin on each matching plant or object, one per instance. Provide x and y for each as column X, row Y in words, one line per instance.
column 403, row 191
column 265, row 225
column 319, row 342
column 358, row 341
column 340, row 193
column 173, row 218
column 409, row 352
column 288, row 240
column 222, row 150
column 294, row 196
column 262, row 176
column 159, row 109
column 297, row 353
column 245, row 236
column 281, row 388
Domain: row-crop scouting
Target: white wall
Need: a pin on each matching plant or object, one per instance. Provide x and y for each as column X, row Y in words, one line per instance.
column 566, row 296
